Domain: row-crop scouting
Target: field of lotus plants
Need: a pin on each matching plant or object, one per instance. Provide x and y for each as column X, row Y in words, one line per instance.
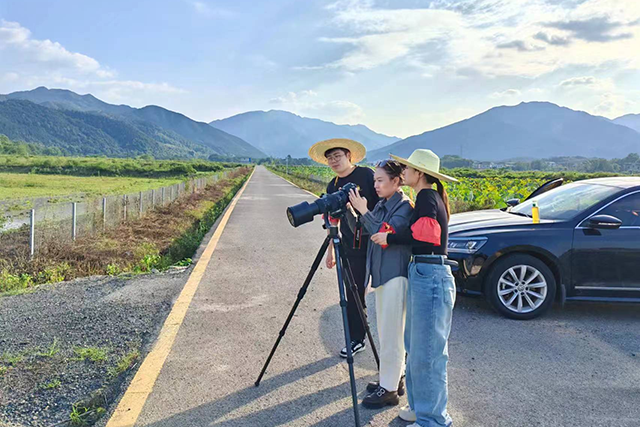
column 477, row 189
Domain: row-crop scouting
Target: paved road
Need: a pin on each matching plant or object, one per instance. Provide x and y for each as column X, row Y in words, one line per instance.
column 576, row 367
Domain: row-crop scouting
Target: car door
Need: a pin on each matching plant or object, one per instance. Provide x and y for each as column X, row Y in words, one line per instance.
column 606, row 262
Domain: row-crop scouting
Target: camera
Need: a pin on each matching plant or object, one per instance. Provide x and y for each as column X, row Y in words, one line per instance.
column 334, row 204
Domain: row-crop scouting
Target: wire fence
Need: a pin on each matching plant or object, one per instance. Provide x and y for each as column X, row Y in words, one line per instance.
column 23, row 231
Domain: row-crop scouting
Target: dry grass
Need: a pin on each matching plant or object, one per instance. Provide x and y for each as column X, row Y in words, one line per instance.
column 133, row 246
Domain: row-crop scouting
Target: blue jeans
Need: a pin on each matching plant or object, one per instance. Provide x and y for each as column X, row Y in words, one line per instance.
column 430, row 300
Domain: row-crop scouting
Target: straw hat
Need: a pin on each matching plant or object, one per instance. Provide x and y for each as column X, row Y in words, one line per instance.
column 425, row 161
column 317, row 150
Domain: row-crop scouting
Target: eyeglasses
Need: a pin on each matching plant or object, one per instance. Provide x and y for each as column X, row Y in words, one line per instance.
column 335, row 157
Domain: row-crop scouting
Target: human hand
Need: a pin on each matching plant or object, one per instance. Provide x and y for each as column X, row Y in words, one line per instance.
column 380, row 239
column 358, row 202
column 330, row 261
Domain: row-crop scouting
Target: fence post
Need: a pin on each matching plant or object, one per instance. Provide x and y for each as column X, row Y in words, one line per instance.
column 141, row 204
column 32, row 235
column 124, row 203
column 104, row 213
column 153, row 197
column 74, row 215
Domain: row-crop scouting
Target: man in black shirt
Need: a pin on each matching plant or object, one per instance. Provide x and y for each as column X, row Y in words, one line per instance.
column 342, row 155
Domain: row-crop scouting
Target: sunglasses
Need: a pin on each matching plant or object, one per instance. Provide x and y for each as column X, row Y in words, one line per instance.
column 392, row 164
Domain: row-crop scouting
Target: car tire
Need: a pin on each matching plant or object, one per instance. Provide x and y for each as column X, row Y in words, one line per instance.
column 520, row 286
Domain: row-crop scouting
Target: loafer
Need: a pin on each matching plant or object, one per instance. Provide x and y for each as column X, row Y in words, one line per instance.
column 373, row 386
column 381, row 398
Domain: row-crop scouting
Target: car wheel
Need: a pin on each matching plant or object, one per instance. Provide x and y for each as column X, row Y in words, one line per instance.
column 520, row 287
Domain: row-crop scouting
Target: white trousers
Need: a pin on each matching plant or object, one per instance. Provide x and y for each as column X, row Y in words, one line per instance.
column 390, row 312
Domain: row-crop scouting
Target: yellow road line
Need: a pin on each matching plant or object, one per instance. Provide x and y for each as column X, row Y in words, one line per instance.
column 297, row 186
column 130, row 407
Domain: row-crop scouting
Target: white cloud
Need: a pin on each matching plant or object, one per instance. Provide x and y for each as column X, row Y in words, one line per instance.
column 28, row 62
column 15, row 40
column 589, row 83
column 307, row 103
column 491, row 37
column 205, row 9
column 506, row 94
column 614, row 105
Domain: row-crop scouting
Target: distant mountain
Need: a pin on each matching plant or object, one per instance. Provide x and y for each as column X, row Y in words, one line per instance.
column 280, row 133
column 532, row 130
column 630, row 120
column 211, row 140
column 81, row 133
column 68, row 100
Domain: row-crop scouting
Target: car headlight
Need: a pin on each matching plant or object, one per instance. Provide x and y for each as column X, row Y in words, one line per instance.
column 466, row 245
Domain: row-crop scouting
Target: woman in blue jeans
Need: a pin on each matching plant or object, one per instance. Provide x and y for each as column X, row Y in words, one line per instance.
column 431, row 292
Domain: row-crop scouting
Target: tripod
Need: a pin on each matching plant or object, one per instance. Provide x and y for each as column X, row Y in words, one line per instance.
column 342, row 266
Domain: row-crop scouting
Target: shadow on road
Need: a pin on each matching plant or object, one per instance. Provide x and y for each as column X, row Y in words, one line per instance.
column 272, row 415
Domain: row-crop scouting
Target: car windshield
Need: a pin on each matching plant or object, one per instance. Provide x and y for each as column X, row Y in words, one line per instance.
column 567, row 201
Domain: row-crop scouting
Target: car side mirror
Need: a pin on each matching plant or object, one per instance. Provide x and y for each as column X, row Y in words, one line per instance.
column 513, row 202
column 604, row 222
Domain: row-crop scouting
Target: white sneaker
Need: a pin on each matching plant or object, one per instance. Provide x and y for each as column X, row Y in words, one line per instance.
column 408, row 414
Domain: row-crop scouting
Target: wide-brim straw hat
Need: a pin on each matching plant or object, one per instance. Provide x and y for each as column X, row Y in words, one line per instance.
column 317, row 150
column 425, row 161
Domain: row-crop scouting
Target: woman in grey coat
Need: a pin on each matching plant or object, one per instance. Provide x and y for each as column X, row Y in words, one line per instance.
column 388, row 269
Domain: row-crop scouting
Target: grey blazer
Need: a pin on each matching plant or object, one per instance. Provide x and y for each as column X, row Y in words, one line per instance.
column 386, row 264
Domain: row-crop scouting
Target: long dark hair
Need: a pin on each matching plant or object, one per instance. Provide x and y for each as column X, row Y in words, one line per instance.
column 441, row 191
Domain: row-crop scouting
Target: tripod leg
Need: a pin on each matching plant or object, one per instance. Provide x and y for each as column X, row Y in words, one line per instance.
column 301, row 293
column 347, row 335
column 353, row 287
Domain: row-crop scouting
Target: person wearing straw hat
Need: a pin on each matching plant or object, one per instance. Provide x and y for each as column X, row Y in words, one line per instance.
column 431, row 292
column 341, row 155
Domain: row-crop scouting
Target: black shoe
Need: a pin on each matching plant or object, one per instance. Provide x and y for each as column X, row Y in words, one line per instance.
column 356, row 347
column 380, row 398
column 373, row 386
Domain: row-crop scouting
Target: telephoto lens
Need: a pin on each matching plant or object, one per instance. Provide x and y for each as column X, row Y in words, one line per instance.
column 333, row 204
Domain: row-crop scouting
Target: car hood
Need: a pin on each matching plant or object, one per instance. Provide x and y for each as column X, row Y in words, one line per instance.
column 493, row 218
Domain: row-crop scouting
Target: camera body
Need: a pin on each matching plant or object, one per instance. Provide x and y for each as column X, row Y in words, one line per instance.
column 334, row 205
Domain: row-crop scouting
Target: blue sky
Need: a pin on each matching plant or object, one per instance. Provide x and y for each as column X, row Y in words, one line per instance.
column 401, row 67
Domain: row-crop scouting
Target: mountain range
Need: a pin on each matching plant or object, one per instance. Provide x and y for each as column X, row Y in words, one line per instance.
column 85, row 125
column 630, row 120
column 529, row 129
column 77, row 124
column 280, row 133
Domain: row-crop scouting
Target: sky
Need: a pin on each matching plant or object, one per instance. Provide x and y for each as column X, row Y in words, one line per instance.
column 401, row 67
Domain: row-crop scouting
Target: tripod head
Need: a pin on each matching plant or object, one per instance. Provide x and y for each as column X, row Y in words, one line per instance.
column 332, row 227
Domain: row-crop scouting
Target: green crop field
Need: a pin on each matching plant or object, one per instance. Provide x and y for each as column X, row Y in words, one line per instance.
column 23, row 177
column 476, row 189
column 103, row 166
column 19, row 186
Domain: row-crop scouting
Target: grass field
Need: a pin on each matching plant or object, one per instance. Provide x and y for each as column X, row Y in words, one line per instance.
column 15, row 186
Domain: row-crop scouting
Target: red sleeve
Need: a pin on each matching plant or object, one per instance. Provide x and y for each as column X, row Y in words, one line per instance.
column 427, row 230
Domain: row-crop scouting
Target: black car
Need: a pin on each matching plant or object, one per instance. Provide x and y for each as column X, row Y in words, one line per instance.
column 585, row 247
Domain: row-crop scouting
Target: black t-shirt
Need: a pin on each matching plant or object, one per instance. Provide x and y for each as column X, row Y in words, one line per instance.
column 431, row 216
column 363, row 178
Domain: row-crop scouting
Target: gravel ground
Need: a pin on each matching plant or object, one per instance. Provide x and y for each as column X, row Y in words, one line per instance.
column 111, row 314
